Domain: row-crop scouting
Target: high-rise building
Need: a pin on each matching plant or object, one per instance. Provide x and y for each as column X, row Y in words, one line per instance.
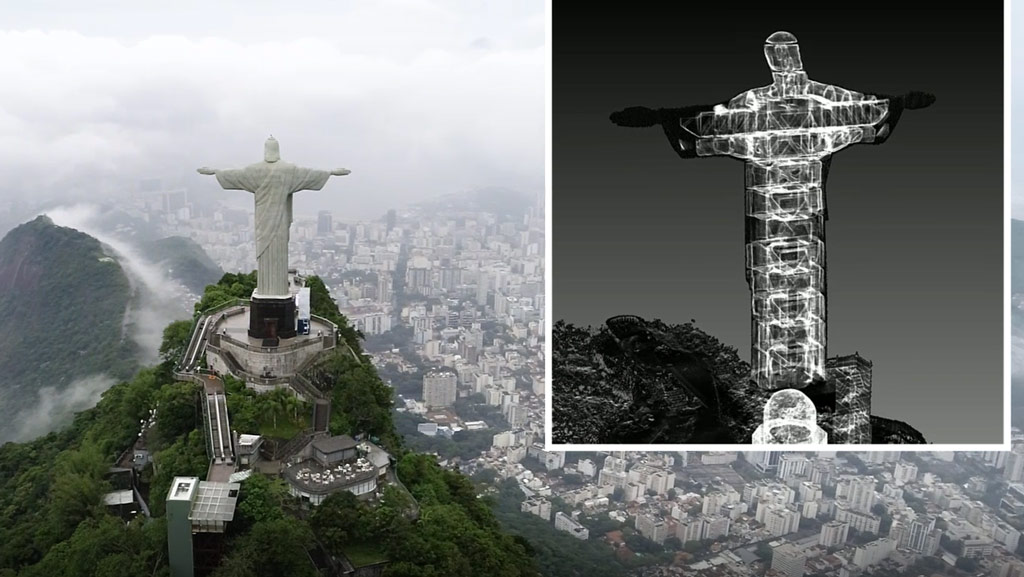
column 440, row 388
column 713, row 502
column 858, row 492
column 1010, row 568
column 904, row 472
column 324, row 225
column 792, row 465
column 915, row 532
column 809, row 492
column 822, row 471
column 852, row 381
column 833, row 533
column 714, row 526
column 781, row 520
column 652, row 527
column 873, row 552
column 690, row 529
column 879, row 457
column 763, row 461
column 863, row 522
column 1013, row 471
column 789, row 560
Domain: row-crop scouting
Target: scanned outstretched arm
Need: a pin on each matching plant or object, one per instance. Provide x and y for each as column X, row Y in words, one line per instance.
column 897, row 104
column 671, row 120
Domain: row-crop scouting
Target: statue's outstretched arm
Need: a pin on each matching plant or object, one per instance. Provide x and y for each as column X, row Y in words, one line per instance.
column 671, row 120
column 340, row 172
column 207, row 171
column 897, row 104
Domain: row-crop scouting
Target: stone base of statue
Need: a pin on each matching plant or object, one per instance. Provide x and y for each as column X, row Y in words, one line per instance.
column 272, row 318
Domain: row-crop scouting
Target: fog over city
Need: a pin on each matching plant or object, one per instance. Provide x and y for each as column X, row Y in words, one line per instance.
column 418, row 98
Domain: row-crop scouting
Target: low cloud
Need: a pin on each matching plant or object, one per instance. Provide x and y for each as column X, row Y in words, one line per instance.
column 160, row 297
column 440, row 100
column 56, row 407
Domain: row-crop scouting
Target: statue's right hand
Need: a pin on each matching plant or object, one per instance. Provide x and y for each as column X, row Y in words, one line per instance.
column 206, row 171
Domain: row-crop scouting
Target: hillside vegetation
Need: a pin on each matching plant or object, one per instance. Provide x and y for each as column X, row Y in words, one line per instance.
column 186, row 261
column 62, row 309
column 52, row 521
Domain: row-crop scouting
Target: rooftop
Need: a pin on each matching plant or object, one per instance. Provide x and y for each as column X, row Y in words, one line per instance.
column 214, row 501
column 182, row 488
column 334, row 444
column 379, row 457
column 122, row 497
column 310, row 476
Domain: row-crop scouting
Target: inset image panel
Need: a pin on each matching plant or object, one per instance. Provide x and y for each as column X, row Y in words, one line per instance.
column 779, row 227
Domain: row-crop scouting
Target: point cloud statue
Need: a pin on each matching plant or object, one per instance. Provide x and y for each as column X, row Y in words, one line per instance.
column 786, row 134
column 272, row 183
column 790, row 419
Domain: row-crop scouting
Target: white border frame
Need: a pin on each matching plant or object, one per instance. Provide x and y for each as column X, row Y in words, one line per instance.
column 1007, row 357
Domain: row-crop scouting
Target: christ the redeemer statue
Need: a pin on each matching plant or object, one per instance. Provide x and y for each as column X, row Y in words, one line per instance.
column 272, row 182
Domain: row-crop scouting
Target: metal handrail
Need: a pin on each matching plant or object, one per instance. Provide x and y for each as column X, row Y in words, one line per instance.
column 281, row 349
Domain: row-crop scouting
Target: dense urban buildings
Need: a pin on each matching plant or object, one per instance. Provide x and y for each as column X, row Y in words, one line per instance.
column 468, row 311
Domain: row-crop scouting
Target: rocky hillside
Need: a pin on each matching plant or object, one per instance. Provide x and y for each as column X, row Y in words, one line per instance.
column 62, row 309
column 184, row 260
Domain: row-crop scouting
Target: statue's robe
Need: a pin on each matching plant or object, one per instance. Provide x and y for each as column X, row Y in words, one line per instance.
column 273, row 184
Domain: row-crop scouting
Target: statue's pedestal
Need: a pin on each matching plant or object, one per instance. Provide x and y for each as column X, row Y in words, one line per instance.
column 272, row 317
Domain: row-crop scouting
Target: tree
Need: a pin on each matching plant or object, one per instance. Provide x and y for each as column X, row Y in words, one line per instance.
column 968, row 564
column 271, row 548
column 572, row 479
column 176, row 413
column 673, row 543
column 175, row 340
column 79, row 485
column 293, row 403
column 260, row 499
column 341, row 518
column 276, row 403
column 485, row 476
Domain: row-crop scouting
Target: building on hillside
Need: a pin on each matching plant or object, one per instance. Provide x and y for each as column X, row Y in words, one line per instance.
column 328, row 465
column 566, row 523
column 198, row 513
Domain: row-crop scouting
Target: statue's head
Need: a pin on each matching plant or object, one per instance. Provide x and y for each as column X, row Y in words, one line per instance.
column 783, row 53
column 271, row 150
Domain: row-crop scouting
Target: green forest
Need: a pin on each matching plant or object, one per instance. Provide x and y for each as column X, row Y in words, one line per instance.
column 57, row 285
column 53, row 522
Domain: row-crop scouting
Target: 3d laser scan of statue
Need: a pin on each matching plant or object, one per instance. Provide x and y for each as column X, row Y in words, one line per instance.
column 786, row 134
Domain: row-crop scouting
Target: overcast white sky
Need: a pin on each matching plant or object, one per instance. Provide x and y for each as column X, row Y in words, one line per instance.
column 416, row 97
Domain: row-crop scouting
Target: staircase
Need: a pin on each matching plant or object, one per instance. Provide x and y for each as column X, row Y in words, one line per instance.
column 321, row 415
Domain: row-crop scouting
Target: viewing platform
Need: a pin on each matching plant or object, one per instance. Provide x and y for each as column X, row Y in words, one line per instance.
column 264, row 366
